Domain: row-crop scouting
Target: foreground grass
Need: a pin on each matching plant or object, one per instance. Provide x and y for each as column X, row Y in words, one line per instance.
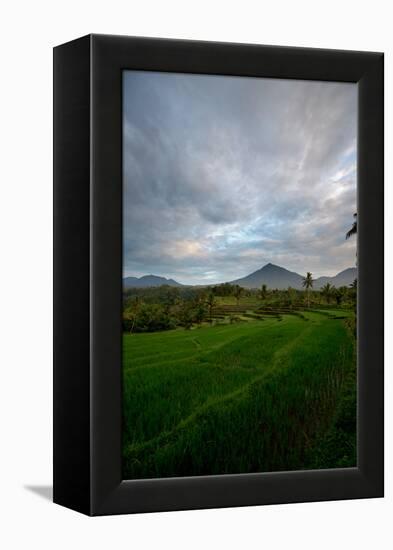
column 258, row 396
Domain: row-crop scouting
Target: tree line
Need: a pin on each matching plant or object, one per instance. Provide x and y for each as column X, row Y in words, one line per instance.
column 165, row 307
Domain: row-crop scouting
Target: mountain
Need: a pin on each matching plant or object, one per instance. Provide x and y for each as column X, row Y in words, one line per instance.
column 148, row 280
column 344, row 278
column 274, row 276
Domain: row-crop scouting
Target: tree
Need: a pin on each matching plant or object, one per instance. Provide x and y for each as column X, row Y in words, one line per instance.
column 168, row 296
column 307, row 284
column 238, row 293
column 199, row 307
column 354, row 228
column 152, row 318
column 263, row 292
column 210, row 302
column 340, row 293
column 353, row 287
column 134, row 311
column 186, row 315
column 199, row 313
column 291, row 296
column 353, row 231
column 327, row 291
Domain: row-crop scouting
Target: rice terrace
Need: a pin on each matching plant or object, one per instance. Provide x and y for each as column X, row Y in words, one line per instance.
column 239, row 274
column 248, row 381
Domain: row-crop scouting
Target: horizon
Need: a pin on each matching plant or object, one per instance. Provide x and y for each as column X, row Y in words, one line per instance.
column 226, row 174
column 237, row 278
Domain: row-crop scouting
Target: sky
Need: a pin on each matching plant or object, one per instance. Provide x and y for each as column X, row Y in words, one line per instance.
column 222, row 175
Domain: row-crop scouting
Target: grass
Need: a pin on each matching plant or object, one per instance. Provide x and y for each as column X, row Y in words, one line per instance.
column 253, row 396
column 231, row 300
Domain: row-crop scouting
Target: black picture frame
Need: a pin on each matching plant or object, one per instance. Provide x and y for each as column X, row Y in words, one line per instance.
column 88, row 274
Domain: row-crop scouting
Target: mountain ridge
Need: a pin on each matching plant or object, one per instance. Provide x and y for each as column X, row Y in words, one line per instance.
column 273, row 276
column 148, row 281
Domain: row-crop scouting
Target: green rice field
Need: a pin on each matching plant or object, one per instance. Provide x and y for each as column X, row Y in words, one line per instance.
column 264, row 394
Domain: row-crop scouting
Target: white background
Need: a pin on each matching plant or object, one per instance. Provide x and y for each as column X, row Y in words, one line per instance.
column 28, row 31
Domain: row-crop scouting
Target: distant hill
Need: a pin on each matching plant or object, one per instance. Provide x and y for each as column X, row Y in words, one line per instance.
column 274, row 276
column 344, row 278
column 148, row 281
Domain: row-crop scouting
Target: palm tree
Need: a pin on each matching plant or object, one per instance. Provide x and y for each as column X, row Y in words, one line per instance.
column 327, row 291
column 340, row 294
column 353, row 231
column 210, row 302
column 354, row 228
column 307, row 284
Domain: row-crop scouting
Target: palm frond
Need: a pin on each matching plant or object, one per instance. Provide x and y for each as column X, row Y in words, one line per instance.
column 354, row 228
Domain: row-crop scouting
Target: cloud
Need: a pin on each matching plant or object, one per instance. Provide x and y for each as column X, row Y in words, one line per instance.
column 224, row 174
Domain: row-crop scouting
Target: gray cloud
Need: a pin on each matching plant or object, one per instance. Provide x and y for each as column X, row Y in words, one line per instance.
column 224, row 174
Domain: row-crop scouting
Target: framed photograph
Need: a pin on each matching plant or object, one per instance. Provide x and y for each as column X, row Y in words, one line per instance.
column 218, row 275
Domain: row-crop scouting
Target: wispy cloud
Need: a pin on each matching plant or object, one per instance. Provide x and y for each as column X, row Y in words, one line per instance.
column 224, row 174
